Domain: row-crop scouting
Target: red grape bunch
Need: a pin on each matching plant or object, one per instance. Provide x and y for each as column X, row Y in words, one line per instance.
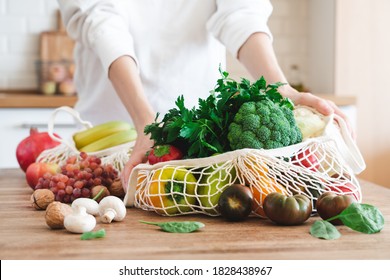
column 78, row 176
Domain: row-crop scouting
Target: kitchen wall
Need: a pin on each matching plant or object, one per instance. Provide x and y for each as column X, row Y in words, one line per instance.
column 21, row 22
column 289, row 26
column 362, row 68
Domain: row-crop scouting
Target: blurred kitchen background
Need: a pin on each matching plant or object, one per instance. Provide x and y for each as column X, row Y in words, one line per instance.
column 337, row 49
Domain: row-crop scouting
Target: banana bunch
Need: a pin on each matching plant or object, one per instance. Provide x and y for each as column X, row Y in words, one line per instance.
column 104, row 136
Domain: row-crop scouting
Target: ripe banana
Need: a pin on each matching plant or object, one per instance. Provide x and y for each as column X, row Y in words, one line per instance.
column 88, row 136
column 111, row 140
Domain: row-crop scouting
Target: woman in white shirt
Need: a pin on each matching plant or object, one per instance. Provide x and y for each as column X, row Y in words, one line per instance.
column 133, row 58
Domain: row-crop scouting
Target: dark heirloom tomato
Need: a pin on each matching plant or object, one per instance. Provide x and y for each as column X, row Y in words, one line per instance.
column 235, row 202
column 287, row 210
column 330, row 204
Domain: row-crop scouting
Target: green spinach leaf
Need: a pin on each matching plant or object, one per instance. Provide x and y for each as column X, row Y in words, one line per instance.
column 324, row 230
column 363, row 218
column 177, row 227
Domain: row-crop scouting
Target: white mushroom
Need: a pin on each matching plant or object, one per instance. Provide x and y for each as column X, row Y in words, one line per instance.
column 91, row 205
column 79, row 221
column 112, row 208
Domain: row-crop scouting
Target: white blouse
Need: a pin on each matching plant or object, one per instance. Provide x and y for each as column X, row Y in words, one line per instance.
column 178, row 46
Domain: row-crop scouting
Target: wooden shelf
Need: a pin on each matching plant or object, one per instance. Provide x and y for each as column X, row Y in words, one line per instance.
column 337, row 99
column 33, row 99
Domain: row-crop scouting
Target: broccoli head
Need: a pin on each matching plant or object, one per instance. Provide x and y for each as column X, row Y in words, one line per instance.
column 263, row 125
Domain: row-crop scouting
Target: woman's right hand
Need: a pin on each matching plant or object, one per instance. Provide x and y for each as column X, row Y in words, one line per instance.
column 142, row 145
column 125, row 78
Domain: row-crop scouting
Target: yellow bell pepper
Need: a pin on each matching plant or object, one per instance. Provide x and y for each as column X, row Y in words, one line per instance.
column 172, row 190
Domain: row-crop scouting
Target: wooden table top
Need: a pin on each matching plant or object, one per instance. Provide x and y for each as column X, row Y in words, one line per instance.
column 25, row 235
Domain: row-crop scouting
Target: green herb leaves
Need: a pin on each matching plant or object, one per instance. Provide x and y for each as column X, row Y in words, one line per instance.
column 202, row 131
column 177, row 227
column 325, row 230
column 363, row 218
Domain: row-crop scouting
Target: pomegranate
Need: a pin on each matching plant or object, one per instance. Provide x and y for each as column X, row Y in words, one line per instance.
column 30, row 148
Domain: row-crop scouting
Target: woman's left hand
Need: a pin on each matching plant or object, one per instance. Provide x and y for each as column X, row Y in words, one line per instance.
column 323, row 106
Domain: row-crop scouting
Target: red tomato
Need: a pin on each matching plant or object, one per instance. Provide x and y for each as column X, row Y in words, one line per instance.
column 306, row 159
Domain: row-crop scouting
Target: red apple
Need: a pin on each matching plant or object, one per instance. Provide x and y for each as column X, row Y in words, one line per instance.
column 306, row 159
column 347, row 188
column 36, row 170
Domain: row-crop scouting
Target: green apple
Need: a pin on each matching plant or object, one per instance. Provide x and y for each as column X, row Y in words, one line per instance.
column 213, row 181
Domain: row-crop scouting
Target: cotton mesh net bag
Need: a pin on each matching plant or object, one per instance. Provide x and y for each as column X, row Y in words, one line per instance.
column 327, row 161
column 117, row 156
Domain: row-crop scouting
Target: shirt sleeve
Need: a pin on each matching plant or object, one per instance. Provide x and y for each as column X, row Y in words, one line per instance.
column 234, row 21
column 98, row 25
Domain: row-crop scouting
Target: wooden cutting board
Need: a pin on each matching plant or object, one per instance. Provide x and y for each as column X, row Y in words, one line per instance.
column 56, row 45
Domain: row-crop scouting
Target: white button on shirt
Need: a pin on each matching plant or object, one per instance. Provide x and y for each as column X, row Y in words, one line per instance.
column 178, row 46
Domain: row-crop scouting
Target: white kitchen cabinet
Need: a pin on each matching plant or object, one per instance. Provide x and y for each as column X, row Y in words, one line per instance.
column 15, row 125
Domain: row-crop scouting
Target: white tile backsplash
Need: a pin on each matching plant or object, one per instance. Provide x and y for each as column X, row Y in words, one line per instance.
column 21, row 21
column 2, row 7
column 289, row 26
column 38, row 24
column 12, row 25
column 25, row 7
column 23, row 45
column 3, row 44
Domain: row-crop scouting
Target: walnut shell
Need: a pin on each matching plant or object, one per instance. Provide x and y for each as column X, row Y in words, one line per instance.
column 116, row 189
column 95, row 191
column 55, row 214
column 41, row 198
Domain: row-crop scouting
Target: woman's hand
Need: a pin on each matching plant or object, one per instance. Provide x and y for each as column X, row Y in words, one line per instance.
column 258, row 56
column 138, row 155
column 124, row 76
column 323, row 106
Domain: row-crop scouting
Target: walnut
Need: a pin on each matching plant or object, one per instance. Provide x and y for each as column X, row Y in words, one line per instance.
column 116, row 189
column 55, row 214
column 41, row 198
column 101, row 191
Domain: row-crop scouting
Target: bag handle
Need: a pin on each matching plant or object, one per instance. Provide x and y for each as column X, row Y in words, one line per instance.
column 348, row 147
column 76, row 116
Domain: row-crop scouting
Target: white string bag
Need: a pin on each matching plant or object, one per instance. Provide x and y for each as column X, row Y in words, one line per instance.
column 328, row 162
column 116, row 156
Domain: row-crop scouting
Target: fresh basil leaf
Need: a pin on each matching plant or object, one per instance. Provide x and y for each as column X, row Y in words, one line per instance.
column 177, row 227
column 324, row 230
column 363, row 218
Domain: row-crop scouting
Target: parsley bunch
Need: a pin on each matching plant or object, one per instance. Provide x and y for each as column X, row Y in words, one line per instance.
column 201, row 132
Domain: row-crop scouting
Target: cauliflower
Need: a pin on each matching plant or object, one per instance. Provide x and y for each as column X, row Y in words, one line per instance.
column 310, row 123
column 263, row 125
